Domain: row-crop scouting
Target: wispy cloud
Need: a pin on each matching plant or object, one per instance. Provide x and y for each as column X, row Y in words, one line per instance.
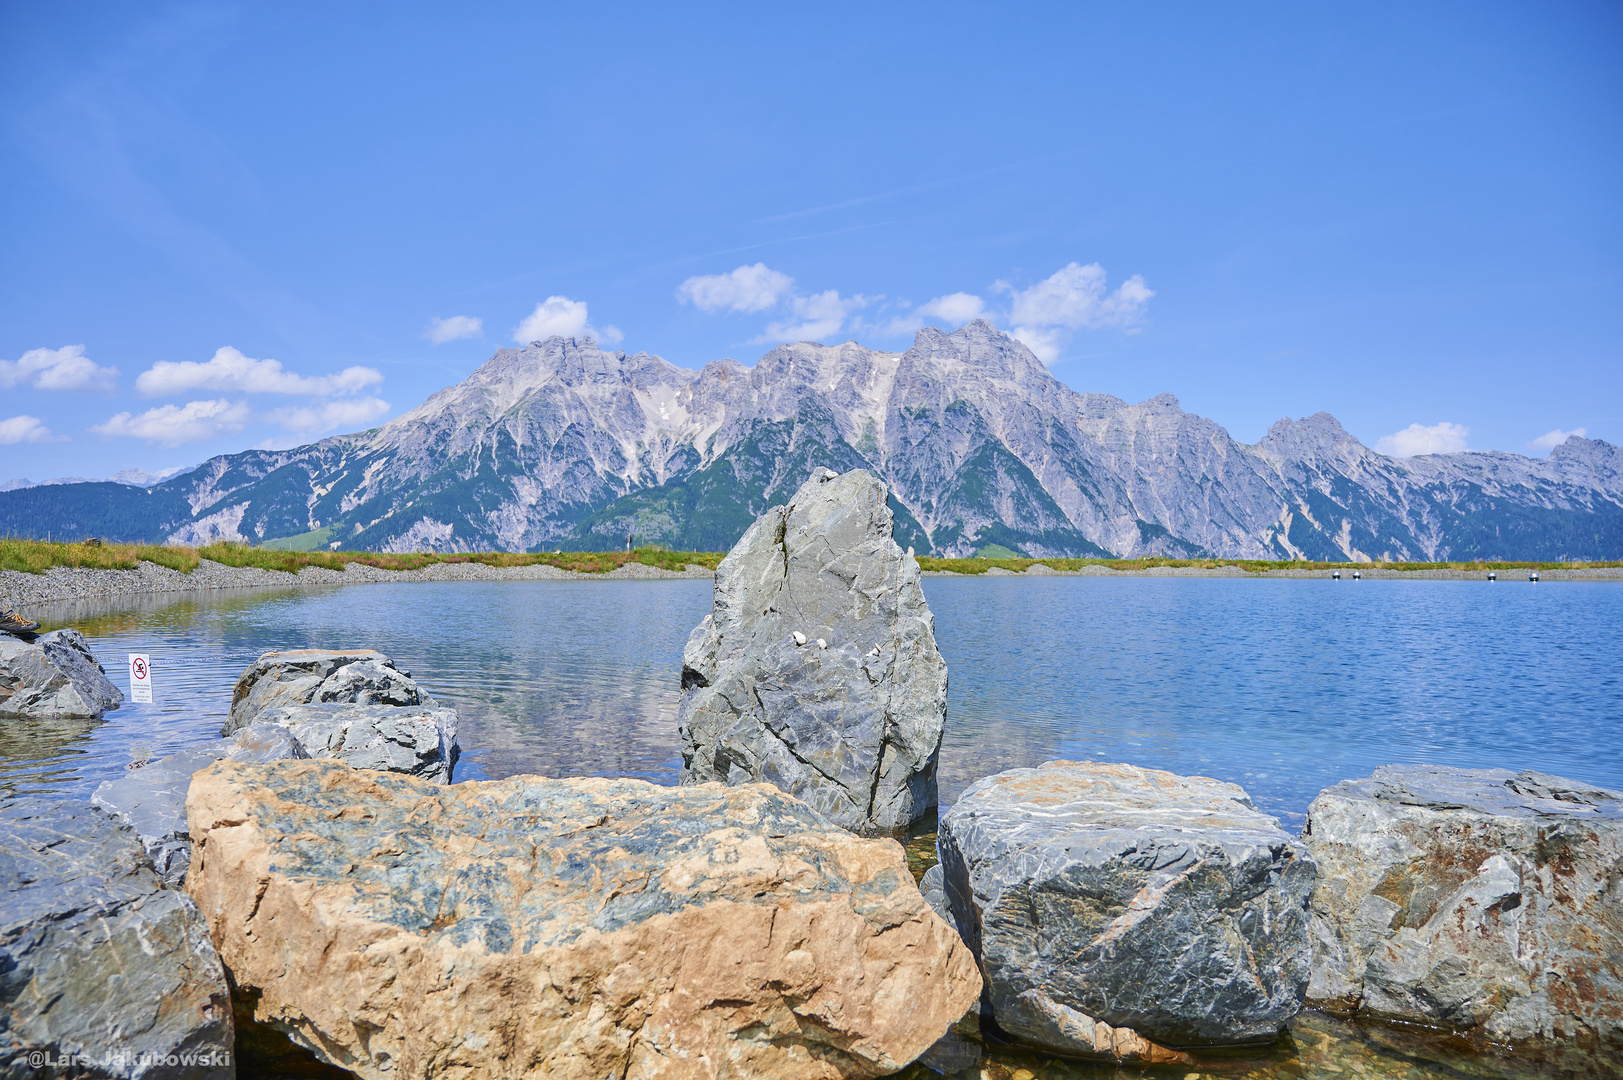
column 67, row 368
column 815, row 317
column 954, row 309
column 1441, row 438
column 439, row 331
column 172, row 425
column 748, row 288
column 1073, row 298
column 562, row 317
column 230, row 370
column 1552, row 439
column 318, row 419
column 26, row 429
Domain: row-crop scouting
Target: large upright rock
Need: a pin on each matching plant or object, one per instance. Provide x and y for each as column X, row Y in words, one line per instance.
column 1479, row 899
column 567, row 928
column 303, row 676
column 1105, row 897
column 53, row 677
column 817, row 669
column 99, row 963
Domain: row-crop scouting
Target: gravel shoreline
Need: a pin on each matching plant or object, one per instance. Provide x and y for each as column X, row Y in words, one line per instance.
column 63, row 584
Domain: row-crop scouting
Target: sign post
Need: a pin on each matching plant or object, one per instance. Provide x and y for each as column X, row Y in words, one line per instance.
column 140, row 677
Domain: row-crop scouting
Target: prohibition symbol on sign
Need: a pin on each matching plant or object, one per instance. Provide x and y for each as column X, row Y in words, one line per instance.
column 140, row 677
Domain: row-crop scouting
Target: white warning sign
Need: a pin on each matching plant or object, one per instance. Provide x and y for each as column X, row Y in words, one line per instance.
column 140, row 677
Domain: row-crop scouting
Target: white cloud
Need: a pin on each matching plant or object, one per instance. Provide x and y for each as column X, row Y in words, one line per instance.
column 229, row 369
column 816, row 317
column 563, row 317
column 21, row 429
column 1443, row 438
column 954, row 309
column 355, row 414
column 1552, row 439
column 747, row 288
column 171, row 425
column 439, row 331
column 1073, row 298
column 67, row 368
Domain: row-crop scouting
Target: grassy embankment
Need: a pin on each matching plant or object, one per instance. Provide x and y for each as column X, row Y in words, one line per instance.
column 36, row 556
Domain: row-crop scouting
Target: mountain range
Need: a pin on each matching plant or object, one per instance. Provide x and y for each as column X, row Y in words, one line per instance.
column 562, row 444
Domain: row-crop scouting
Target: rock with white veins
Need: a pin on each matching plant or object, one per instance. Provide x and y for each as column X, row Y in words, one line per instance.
column 1108, row 903
column 567, row 928
column 320, row 676
column 852, row 731
column 415, row 739
column 1478, row 899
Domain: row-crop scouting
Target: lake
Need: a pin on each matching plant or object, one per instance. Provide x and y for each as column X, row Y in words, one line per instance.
column 1281, row 686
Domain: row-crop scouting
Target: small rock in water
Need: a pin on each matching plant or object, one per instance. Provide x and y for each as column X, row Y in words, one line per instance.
column 53, row 677
column 1111, row 905
column 309, row 676
column 587, row 928
column 1476, row 899
column 413, row 739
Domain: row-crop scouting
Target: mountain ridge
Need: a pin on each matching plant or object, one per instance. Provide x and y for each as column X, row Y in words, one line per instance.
column 563, row 444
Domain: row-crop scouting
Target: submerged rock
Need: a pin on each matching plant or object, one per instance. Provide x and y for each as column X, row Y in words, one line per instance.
column 414, row 739
column 1479, row 899
column 97, row 959
column 1107, row 897
column 151, row 800
column 567, row 928
column 817, row 669
column 53, row 677
column 303, row 676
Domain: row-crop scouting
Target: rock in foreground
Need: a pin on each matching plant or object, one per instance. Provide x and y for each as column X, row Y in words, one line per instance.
column 567, row 928
column 413, row 739
column 151, row 800
column 1479, row 899
column 302, row 676
column 817, row 669
column 1104, row 897
column 53, row 677
column 97, row 959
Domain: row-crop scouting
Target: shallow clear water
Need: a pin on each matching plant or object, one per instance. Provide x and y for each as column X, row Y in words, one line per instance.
column 1282, row 686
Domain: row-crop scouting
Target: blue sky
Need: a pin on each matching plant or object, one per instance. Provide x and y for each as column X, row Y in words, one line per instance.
column 1407, row 215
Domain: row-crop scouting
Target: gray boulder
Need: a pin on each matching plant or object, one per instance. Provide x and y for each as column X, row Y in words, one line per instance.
column 1477, row 899
column 817, row 668
column 151, row 799
column 1111, row 896
column 98, row 961
column 53, row 677
column 305, row 676
column 417, row 740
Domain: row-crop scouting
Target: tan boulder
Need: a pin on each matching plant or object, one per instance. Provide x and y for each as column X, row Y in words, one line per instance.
column 567, row 928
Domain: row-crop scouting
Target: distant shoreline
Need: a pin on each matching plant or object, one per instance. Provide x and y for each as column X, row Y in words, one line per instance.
column 61, row 584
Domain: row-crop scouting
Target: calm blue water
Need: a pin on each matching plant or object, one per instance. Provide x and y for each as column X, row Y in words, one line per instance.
column 1282, row 686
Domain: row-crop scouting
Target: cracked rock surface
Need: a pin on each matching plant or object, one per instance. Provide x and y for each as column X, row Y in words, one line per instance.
column 817, row 669
column 567, row 928
column 1477, row 899
column 1105, row 897
column 306, row 676
column 415, row 739
column 97, row 959
column 53, row 677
